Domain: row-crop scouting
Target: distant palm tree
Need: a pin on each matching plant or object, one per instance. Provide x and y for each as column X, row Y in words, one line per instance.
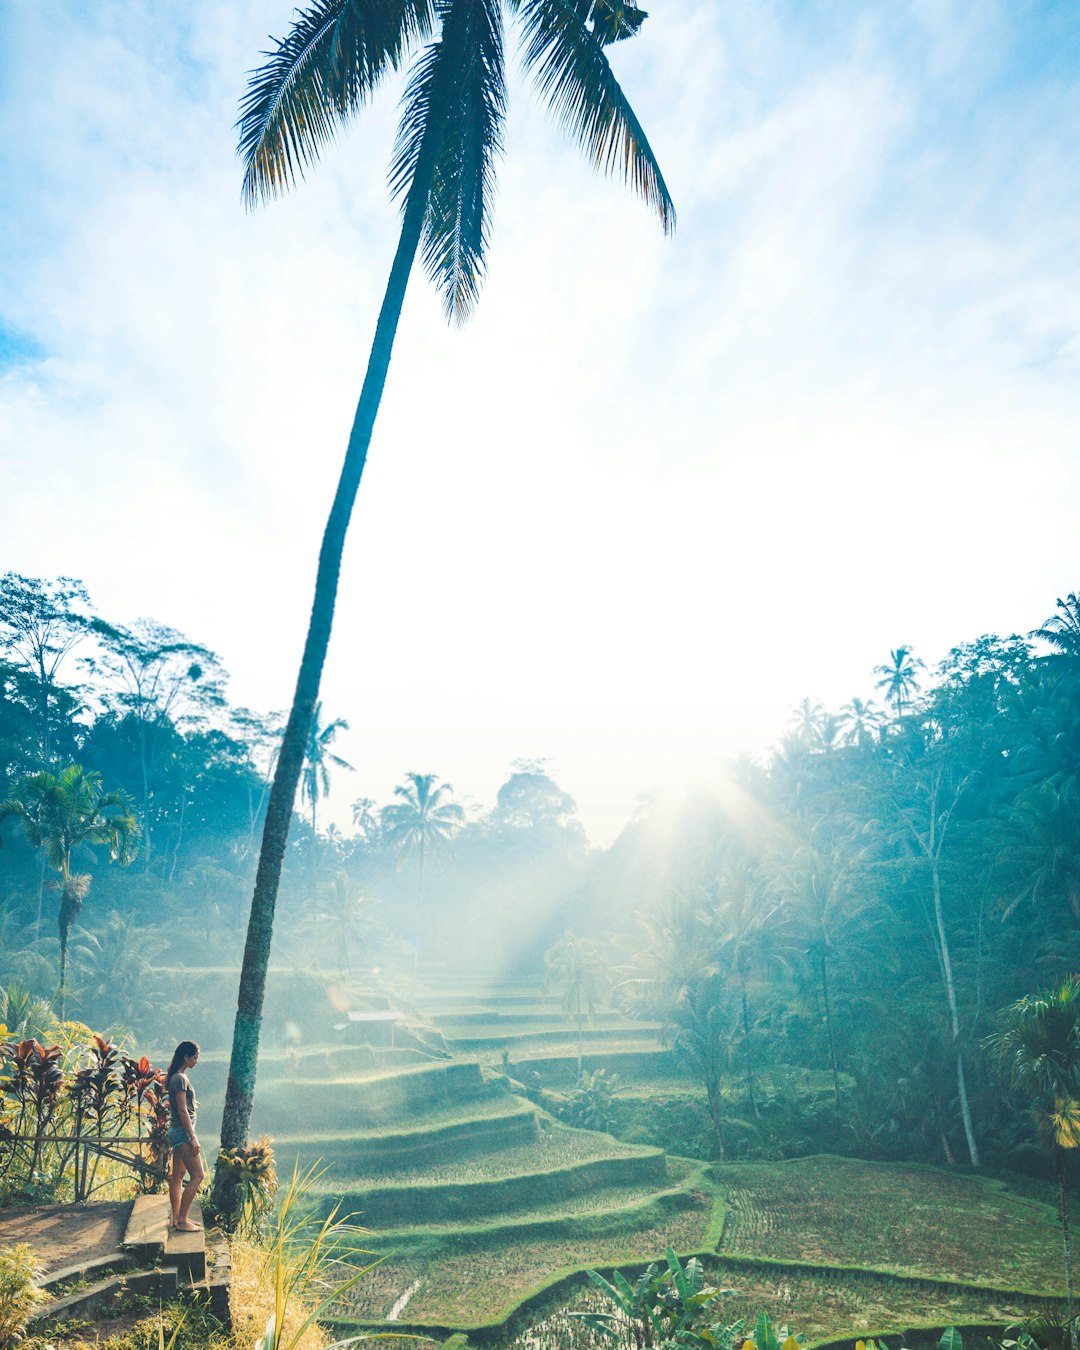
column 422, row 821
column 747, row 920
column 1038, row 1046
column 899, row 677
column 860, row 722
column 830, row 917
column 1062, row 630
column 807, row 721
column 64, row 814
column 315, row 779
column 701, row 1028
column 321, row 75
column 365, row 819
column 576, row 968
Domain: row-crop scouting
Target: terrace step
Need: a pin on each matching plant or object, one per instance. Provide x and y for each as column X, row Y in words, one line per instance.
column 425, row 1142
column 528, row 1018
column 151, row 1238
column 97, row 1298
column 284, row 1107
column 400, row 1206
column 556, row 1034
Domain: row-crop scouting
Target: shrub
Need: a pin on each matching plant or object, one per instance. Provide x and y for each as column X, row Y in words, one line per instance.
column 19, row 1294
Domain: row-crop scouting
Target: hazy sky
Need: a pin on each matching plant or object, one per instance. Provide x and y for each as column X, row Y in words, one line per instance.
column 657, row 491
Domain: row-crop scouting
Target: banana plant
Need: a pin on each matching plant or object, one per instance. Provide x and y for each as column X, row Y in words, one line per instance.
column 665, row 1308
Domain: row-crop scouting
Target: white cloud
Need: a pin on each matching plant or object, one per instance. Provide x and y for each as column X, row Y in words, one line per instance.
column 658, row 490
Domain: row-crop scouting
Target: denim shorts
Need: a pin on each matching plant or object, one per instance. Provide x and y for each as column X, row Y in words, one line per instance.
column 177, row 1136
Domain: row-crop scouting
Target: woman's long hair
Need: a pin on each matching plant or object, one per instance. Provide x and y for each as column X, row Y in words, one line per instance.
column 183, row 1051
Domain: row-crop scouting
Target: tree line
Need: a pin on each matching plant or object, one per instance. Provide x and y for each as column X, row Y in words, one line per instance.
column 863, row 900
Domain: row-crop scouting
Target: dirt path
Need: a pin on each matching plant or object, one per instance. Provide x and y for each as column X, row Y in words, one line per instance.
column 66, row 1235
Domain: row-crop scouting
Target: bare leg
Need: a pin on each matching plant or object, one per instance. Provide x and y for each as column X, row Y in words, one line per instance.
column 176, row 1185
column 185, row 1160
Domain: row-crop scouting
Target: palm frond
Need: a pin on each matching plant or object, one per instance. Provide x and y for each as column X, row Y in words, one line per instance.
column 321, row 73
column 573, row 75
column 454, row 109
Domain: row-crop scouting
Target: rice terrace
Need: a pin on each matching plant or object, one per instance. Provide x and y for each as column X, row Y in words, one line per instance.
column 539, row 675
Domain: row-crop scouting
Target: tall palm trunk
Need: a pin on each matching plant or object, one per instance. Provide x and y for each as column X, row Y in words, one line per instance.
column 419, row 911
column 828, row 1023
column 749, row 1079
column 240, row 1091
column 1063, row 1197
column 954, row 1016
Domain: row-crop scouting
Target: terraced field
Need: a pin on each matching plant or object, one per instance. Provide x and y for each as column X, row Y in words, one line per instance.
column 486, row 1211
column 906, row 1219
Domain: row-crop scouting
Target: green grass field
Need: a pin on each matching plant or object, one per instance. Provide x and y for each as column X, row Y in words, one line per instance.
column 908, row 1219
column 819, row 1307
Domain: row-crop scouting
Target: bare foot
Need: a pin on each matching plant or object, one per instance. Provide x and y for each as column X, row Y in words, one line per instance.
column 187, row 1226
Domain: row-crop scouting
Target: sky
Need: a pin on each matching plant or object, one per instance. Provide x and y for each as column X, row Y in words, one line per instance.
column 658, row 490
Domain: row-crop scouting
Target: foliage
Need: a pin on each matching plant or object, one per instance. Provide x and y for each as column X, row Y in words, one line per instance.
column 19, row 1294
column 60, row 1119
column 668, row 1307
column 591, row 1105
column 310, row 1262
column 246, row 1183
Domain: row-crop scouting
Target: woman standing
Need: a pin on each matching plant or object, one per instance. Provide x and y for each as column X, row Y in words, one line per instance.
column 186, row 1153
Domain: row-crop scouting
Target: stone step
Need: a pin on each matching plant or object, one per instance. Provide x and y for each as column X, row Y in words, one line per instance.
column 98, row 1299
column 149, row 1234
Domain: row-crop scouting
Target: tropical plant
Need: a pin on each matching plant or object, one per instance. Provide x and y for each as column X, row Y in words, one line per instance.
column 860, row 723
column 19, row 1291
column 828, row 917
column 64, row 814
column 576, row 968
column 305, row 1258
column 40, row 623
column 591, row 1104
column 249, row 1186
column 1062, row 630
column 671, row 1306
column 422, row 822
column 899, row 678
column 926, row 794
column 1038, row 1047
column 703, row 1026
column 321, row 74
column 315, row 779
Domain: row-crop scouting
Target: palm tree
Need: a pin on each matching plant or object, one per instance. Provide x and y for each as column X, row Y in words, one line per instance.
column 746, row 944
column 1062, row 630
column 928, row 795
column 860, row 722
column 1038, row 1046
column 422, row 821
column 830, row 919
column 443, row 172
column 576, row 967
column 701, row 1028
column 62, row 814
column 899, row 677
column 315, row 779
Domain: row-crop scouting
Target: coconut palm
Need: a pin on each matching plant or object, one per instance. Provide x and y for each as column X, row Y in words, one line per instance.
column 450, row 135
column 1062, row 630
column 1038, row 1046
column 576, row 968
column 422, row 822
column 860, row 722
column 829, row 918
column 899, row 677
column 315, row 779
column 64, row 814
